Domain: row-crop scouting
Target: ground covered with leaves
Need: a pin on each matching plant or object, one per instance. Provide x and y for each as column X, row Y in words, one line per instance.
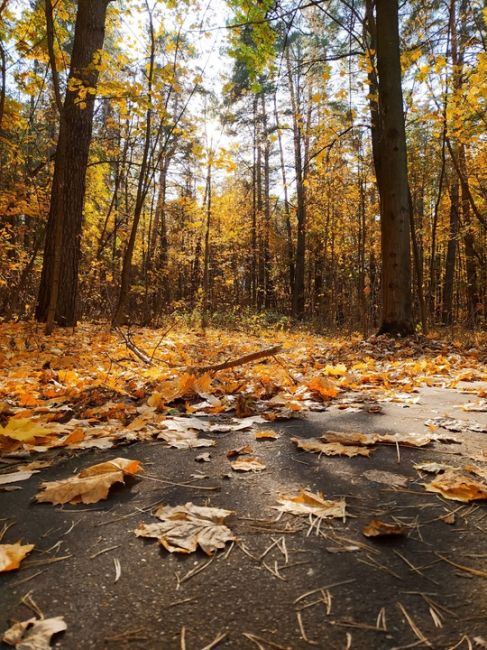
column 181, row 489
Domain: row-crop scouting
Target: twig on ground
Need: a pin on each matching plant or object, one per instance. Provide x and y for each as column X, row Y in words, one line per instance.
column 417, row 632
column 104, row 550
column 194, row 572
column 29, row 602
column 140, row 354
column 258, row 640
column 303, row 631
column 231, row 363
column 462, row 567
column 220, row 636
column 314, row 591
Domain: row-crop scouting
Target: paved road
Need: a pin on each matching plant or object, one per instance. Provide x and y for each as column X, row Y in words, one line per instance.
column 384, row 595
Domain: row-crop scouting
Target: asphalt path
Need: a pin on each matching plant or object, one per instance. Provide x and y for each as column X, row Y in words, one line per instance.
column 282, row 584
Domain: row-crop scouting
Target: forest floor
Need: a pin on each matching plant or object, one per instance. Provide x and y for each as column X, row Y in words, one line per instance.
column 338, row 489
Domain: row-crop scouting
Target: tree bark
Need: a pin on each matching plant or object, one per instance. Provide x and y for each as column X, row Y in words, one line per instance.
column 298, row 299
column 392, row 177
column 62, row 250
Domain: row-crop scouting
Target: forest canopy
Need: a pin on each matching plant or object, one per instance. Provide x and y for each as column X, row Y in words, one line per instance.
column 318, row 161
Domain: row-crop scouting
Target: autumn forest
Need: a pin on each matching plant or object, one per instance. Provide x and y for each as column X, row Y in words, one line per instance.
column 235, row 160
column 243, row 309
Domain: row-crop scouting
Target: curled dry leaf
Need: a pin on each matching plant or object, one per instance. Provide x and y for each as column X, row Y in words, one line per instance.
column 240, row 451
column 91, row 484
column 247, row 464
column 377, row 528
column 183, row 528
column 187, row 439
column 34, row 634
column 457, row 487
column 11, row 555
column 331, row 448
column 311, row 503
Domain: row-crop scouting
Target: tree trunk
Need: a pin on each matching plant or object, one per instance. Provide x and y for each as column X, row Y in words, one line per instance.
column 392, row 177
column 299, row 268
column 447, row 310
column 58, row 289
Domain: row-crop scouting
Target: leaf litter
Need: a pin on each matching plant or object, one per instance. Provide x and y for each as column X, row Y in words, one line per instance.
column 79, row 400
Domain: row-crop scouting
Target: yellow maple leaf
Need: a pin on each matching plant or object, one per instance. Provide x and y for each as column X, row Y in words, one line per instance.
column 24, row 430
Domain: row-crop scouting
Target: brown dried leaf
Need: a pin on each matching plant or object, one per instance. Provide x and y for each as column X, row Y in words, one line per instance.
column 34, row 634
column 457, row 487
column 406, row 439
column 91, row 484
column 330, row 449
column 324, row 387
column 232, row 453
column 311, row 503
column 266, row 434
column 187, row 439
column 247, row 464
column 16, row 476
column 377, row 528
column 348, row 438
column 11, row 555
column 184, row 528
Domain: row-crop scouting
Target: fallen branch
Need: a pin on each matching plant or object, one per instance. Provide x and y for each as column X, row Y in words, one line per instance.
column 140, row 354
column 247, row 358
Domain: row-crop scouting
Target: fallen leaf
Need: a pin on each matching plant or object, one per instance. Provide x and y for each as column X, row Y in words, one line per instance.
column 203, row 458
column 16, row 476
column 478, row 471
column 449, row 518
column 24, row 430
column 247, row 464
column 349, row 438
column 11, row 555
column 240, row 451
column 91, row 484
column 388, row 478
column 451, row 424
column 330, row 449
column 325, row 388
column 311, row 503
column 406, row 439
column 184, row 528
column 433, row 468
column 480, row 406
column 457, row 487
column 377, row 528
column 266, row 434
column 187, row 439
column 34, row 634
